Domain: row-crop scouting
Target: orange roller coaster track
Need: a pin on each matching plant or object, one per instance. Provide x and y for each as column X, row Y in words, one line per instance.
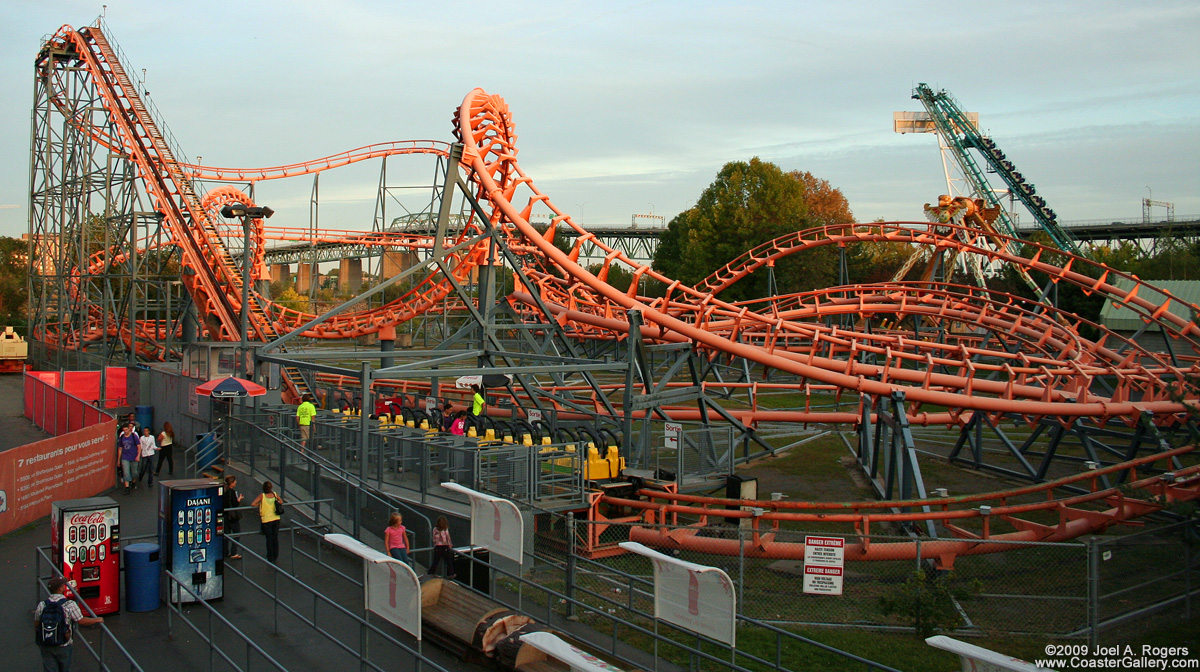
column 1045, row 384
column 993, row 354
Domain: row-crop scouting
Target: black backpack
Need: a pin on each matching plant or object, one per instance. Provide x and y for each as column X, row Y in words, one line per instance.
column 53, row 627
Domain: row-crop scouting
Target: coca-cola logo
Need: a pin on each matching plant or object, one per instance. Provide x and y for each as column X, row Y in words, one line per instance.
column 94, row 518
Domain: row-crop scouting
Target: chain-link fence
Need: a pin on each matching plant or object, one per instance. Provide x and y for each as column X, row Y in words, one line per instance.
column 1144, row 579
column 988, row 590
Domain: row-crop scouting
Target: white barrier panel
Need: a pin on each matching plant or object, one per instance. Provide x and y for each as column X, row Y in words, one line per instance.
column 579, row 661
column 699, row 598
column 978, row 659
column 390, row 587
column 496, row 523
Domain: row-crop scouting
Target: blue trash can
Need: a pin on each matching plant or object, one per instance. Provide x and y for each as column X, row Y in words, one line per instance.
column 206, row 450
column 143, row 572
column 144, row 416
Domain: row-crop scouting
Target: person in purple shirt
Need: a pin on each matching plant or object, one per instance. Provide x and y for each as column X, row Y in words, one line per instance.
column 127, row 449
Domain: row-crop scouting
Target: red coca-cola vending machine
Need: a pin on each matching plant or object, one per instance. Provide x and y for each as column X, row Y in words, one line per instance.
column 85, row 542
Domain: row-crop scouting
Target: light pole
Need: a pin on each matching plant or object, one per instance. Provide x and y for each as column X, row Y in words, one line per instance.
column 241, row 211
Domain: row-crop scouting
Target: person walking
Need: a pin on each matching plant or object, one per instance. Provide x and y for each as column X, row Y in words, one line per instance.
column 441, row 548
column 55, row 618
column 233, row 519
column 147, row 455
column 166, row 443
column 131, row 420
column 268, row 512
column 128, row 450
column 305, row 413
column 396, row 538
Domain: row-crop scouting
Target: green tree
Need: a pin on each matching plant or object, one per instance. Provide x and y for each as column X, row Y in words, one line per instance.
column 929, row 601
column 750, row 203
column 14, row 294
column 618, row 276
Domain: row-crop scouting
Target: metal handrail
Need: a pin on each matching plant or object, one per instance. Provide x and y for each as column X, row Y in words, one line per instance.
column 334, row 471
column 191, row 454
column 212, row 645
column 362, row 622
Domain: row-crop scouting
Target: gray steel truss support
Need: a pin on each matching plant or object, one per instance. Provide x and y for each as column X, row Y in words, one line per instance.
column 99, row 258
column 887, row 453
column 976, row 447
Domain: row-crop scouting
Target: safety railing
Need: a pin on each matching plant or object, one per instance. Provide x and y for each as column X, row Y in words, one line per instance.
column 322, row 608
column 206, row 451
column 417, row 460
column 56, row 411
column 209, row 633
column 354, row 504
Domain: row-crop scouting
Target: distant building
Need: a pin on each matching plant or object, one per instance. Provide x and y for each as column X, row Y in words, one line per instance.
column 1129, row 324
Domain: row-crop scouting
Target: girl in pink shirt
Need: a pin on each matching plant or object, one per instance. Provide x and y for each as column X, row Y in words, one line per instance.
column 395, row 538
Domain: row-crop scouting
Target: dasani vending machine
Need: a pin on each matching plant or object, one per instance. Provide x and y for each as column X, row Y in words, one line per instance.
column 191, row 529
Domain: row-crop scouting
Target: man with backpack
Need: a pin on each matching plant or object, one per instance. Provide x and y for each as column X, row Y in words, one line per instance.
column 53, row 620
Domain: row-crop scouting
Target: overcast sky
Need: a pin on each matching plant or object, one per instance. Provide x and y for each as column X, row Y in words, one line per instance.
column 629, row 107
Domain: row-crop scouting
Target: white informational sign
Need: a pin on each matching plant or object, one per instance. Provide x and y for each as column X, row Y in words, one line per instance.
column 824, row 563
column 496, row 523
column 534, row 415
column 978, row 659
column 390, row 587
column 430, row 404
column 579, row 661
column 699, row 598
column 671, row 432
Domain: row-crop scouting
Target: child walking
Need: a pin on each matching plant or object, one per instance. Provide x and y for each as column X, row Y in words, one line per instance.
column 396, row 538
column 441, row 548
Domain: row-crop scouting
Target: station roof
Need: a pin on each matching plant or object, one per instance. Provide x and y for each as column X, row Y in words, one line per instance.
column 1120, row 318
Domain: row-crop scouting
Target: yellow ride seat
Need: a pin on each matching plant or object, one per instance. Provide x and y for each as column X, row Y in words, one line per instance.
column 616, row 463
column 596, row 468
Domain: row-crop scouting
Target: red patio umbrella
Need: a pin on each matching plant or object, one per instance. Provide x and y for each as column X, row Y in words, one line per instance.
column 231, row 387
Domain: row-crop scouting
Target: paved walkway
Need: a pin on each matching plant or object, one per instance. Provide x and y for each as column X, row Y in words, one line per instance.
column 15, row 430
column 282, row 634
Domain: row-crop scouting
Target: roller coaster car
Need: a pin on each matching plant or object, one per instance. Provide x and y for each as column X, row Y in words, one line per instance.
column 598, row 468
column 479, row 630
column 13, row 351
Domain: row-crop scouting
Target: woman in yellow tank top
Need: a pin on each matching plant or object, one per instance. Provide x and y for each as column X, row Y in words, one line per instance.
column 265, row 503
